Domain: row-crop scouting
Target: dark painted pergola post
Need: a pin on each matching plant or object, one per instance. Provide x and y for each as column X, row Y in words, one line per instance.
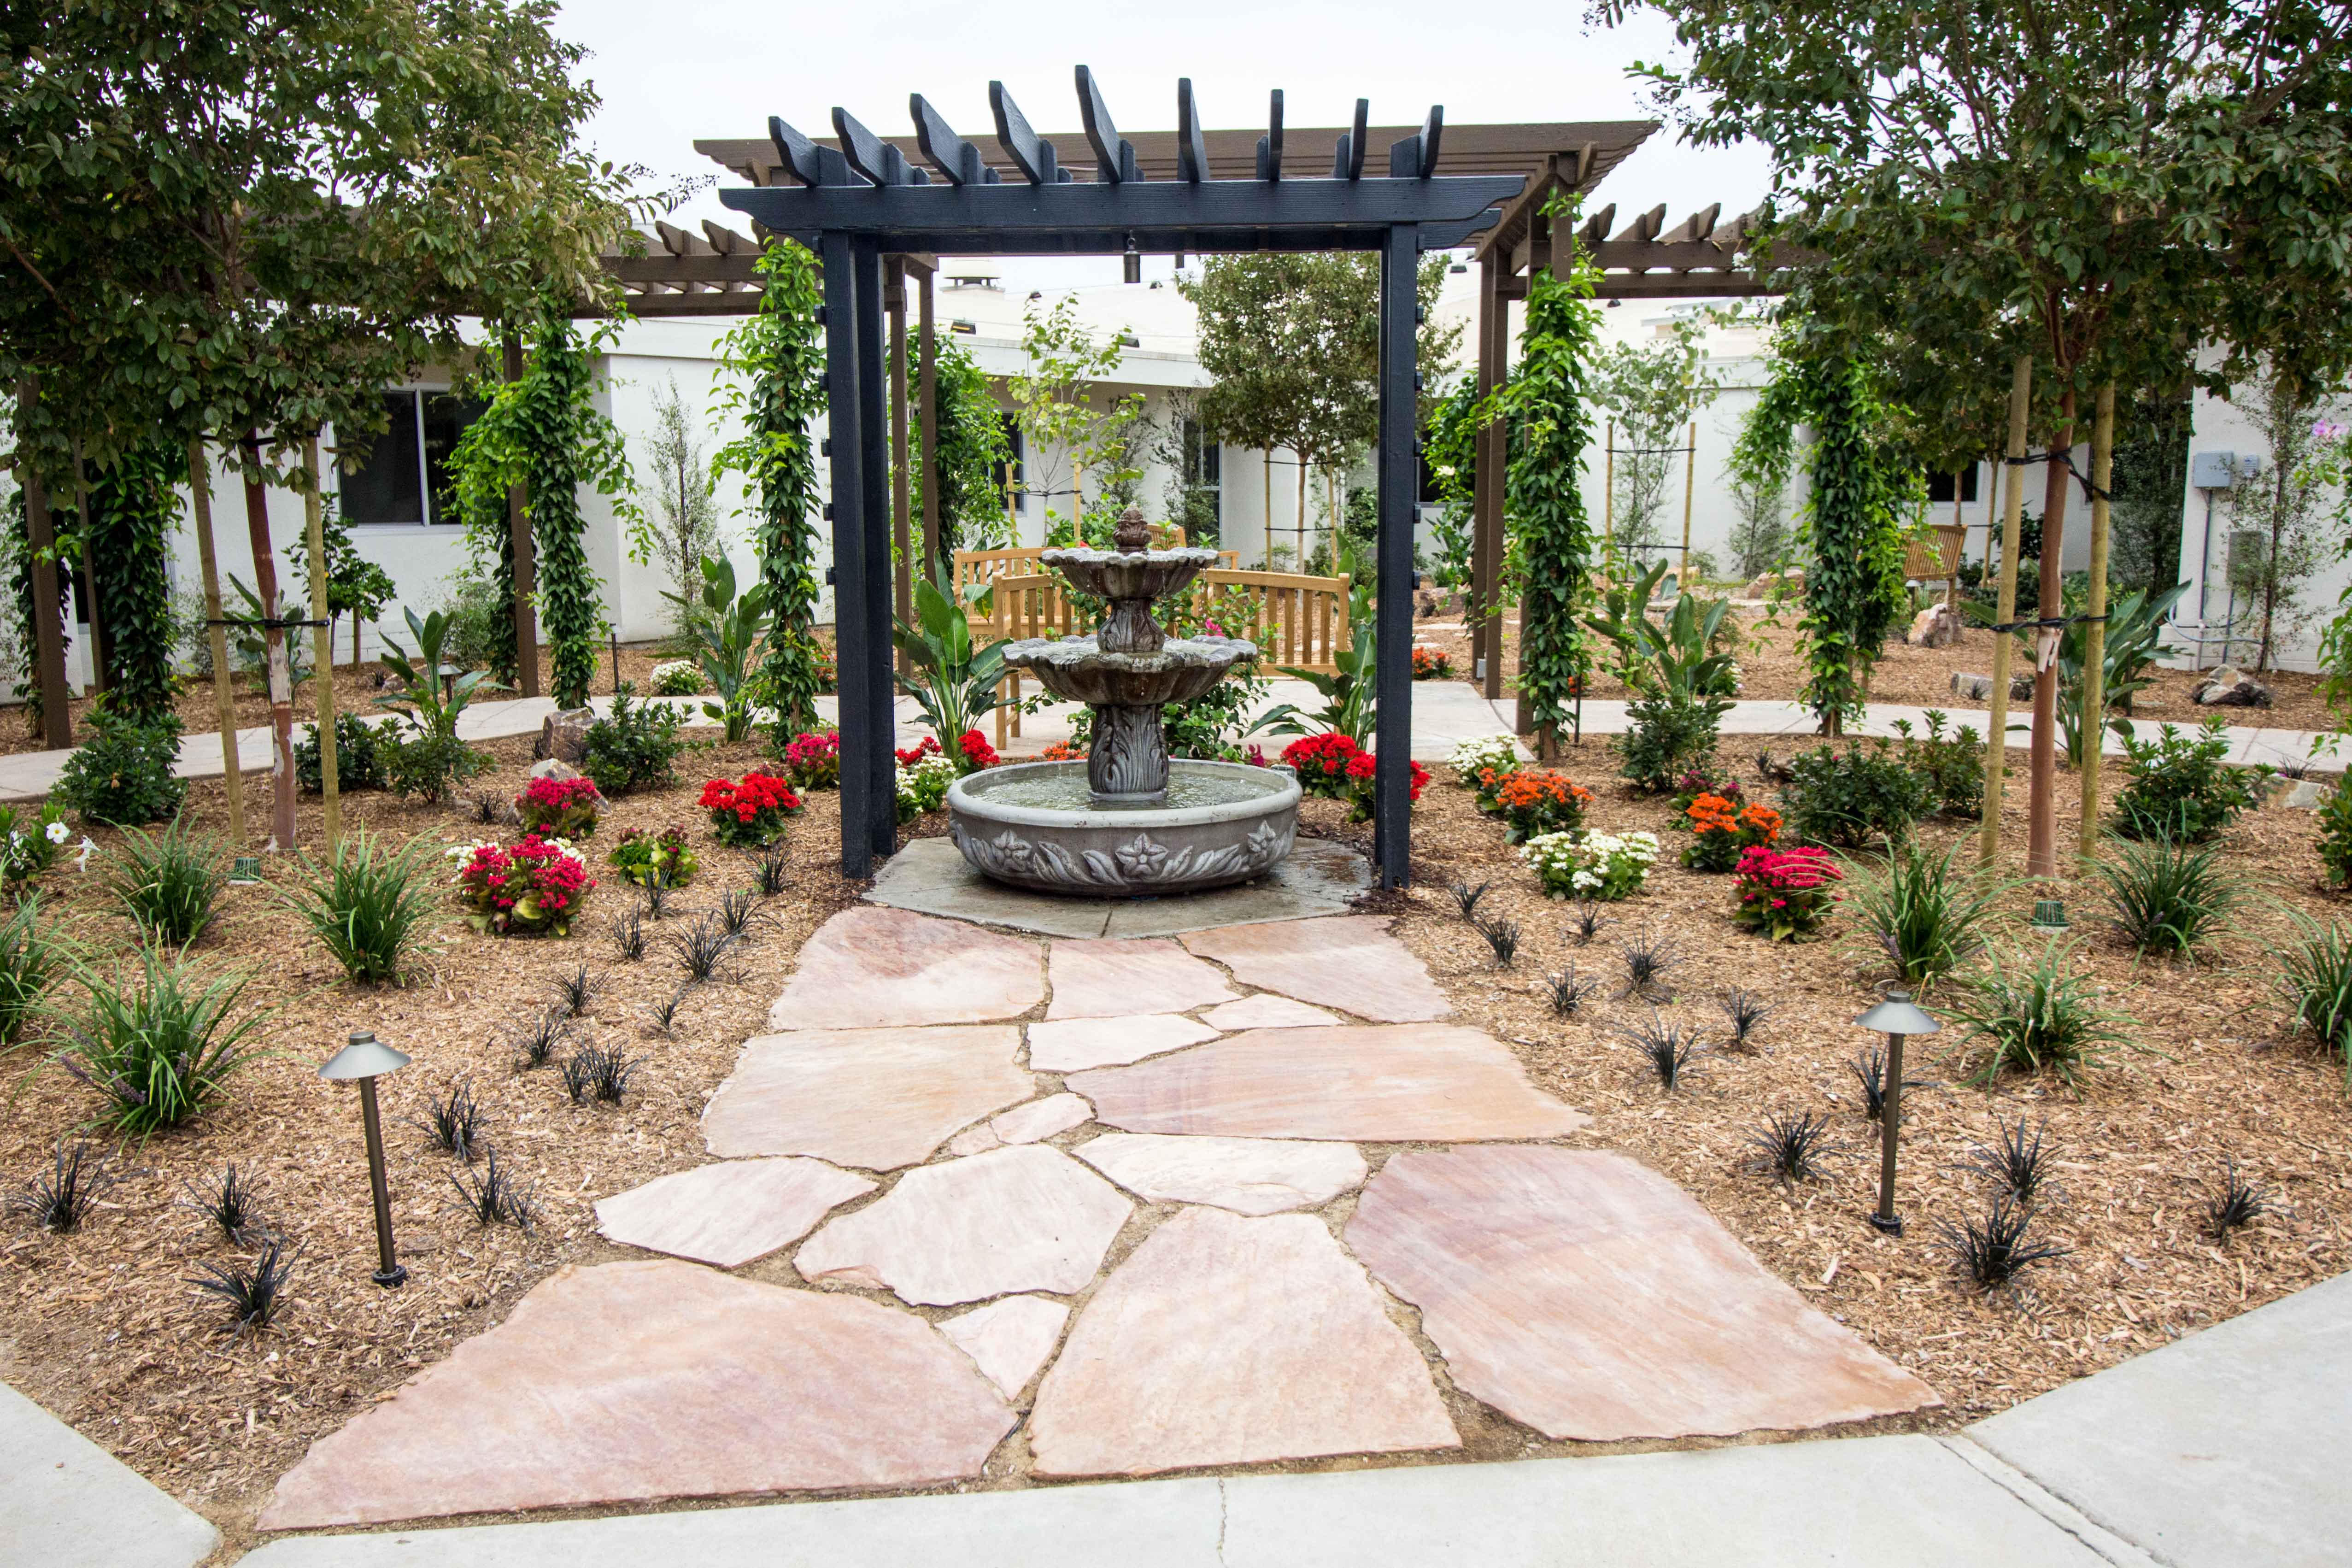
column 1399, row 489
column 852, row 658
column 878, row 760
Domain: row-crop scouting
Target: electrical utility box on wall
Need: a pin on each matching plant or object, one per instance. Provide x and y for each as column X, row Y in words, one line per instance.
column 2213, row 471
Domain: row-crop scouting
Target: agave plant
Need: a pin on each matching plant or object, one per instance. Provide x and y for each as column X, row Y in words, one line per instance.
column 952, row 680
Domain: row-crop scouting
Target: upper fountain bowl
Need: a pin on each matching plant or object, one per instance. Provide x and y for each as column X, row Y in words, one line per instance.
column 1117, row 574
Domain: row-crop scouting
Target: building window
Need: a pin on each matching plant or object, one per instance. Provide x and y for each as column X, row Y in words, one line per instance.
column 1205, row 481
column 405, row 476
column 1939, row 486
column 1015, row 478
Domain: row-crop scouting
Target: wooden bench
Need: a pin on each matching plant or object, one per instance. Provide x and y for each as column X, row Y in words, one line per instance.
column 1937, row 560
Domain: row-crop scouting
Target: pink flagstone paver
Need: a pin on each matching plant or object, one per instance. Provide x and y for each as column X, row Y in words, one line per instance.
column 728, row 1213
column 1009, row 1340
column 1247, row 1175
column 1265, row 1011
column 868, row 967
column 1593, row 1299
column 657, row 1378
column 1225, row 1340
column 1041, row 1119
column 1023, row 1218
column 1348, row 961
column 1077, row 1044
column 977, row 1139
column 1356, row 1083
column 1110, row 976
column 876, row 1099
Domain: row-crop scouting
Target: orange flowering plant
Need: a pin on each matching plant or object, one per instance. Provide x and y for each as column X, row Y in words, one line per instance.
column 1721, row 831
column 1540, row 800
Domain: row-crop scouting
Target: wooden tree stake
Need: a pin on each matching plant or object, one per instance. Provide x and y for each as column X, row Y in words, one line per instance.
column 322, row 669
column 2042, row 801
column 2094, row 645
column 281, row 670
column 2012, row 506
column 200, row 491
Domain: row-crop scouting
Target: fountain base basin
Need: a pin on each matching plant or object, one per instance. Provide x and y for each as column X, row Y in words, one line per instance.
column 1039, row 826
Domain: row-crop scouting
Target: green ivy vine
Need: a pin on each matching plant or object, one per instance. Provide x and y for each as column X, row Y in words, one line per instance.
column 134, row 502
column 1451, row 447
column 772, row 370
column 971, row 443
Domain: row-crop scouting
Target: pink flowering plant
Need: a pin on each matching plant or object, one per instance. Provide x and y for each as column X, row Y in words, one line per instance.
column 561, row 808
column 812, row 759
column 1787, row 895
column 535, row 888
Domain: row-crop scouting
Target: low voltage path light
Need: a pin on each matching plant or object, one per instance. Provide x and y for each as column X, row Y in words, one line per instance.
column 366, row 1060
column 1896, row 1018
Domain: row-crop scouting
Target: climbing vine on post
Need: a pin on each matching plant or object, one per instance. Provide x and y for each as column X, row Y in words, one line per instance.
column 1550, row 549
column 133, row 502
column 772, row 369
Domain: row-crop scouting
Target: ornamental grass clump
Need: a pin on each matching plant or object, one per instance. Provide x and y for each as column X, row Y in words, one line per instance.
column 535, row 888
column 1721, row 833
column 1567, row 991
column 1648, row 958
column 2316, row 978
column 1502, row 935
column 228, row 1204
column 1992, row 1251
column 1785, row 895
column 1744, row 1013
column 772, row 873
column 31, row 960
column 59, row 1199
column 2036, row 1017
column 254, row 1294
column 1467, row 896
column 2168, row 896
column 371, row 906
column 453, row 1123
column 1927, row 912
column 2233, row 1205
column 813, row 761
column 160, row 1044
column 168, row 882
column 1791, row 1146
column 700, row 949
column 493, row 1197
column 2017, row 1162
column 1869, row 1069
column 1667, row 1047
column 559, row 808
column 751, row 813
column 1595, row 865
column 1535, row 801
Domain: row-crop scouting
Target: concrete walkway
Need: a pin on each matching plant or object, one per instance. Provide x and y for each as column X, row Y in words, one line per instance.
column 1444, row 713
column 65, row 1499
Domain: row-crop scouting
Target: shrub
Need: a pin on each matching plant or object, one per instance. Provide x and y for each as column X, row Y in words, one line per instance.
column 359, row 759
column 1720, row 833
column 1853, row 798
column 752, row 814
column 2316, row 975
column 1953, row 766
column 813, row 760
column 2037, row 1019
column 121, row 774
column 537, row 887
column 1924, row 911
column 1534, row 801
column 1787, row 895
column 1666, row 739
column 678, row 677
column 2335, row 832
column 29, row 848
column 254, row 1295
column 1599, row 866
column 428, row 766
column 162, row 1047
column 168, row 882
column 1473, row 760
column 665, row 857
column 371, row 906
column 922, row 785
column 30, row 962
column 559, row 808
column 633, row 747
column 1431, row 664
column 2167, row 897
column 2182, row 787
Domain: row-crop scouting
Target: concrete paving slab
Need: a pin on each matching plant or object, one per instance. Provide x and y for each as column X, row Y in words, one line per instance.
column 2227, row 1447
column 61, row 1495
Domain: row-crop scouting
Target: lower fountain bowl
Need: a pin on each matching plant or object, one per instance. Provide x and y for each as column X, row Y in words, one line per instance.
column 1032, row 825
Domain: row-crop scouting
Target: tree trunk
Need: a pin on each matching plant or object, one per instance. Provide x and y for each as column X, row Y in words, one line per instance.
column 322, row 656
column 48, row 626
column 200, row 489
column 84, row 524
column 281, row 670
column 2095, row 640
column 2042, row 803
column 2021, row 391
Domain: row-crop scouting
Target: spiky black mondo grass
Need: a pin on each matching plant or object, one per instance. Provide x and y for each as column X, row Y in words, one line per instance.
column 663, row 1015
column 1567, row 991
column 598, row 1073
column 701, row 949
column 541, row 1038
column 1992, row 1251
column 2233, row 1204
column 1648, row 958
column 254, row 1292
column 2018, row 1161
column 61, row 1197
column 738, row 909
column 493, row 1197
column 453, row 1121
column 1791, row 1146
column 772, row 873
column 1502, row 936
column 1869, row 1069
column 1467, row 896
column 654, row 894
column 629, row 935
column 576, row 990
column 1744, row 1013
column 228, row 1202
column 1586, row 923
column 1669, row 1048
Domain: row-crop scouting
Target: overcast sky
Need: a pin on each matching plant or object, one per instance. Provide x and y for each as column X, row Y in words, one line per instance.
column 719, row 68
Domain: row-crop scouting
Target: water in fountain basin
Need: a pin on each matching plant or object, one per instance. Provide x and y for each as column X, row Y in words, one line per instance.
column 1186, row 787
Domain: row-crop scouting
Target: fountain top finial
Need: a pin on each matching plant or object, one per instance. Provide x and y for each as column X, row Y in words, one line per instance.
column 1132, row 533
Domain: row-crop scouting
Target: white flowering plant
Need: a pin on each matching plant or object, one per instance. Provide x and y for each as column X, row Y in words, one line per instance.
column 1604, row 867
column 30, row 842
column 923, row 784
column 677, row 678
column 1471, row 758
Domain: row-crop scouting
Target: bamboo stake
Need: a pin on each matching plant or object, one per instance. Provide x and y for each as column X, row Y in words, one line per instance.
column 223, row 689
column 2012, row 508
column 1608, row 491
column 2094, row 645
column 322, row 673
column 1690, row 482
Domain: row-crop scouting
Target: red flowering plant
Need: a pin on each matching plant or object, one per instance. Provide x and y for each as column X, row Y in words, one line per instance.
column 1540, row 800
column 1333, row 766
column 1062, row 751
column 813, row 761
column 1787, row 895
column 561, row 808
column 928, row 746
column 1720, row 833
column 750, row 814
column 533, row 887
column 976, row 751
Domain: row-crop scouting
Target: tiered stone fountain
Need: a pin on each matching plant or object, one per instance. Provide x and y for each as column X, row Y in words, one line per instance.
column 1127, row 820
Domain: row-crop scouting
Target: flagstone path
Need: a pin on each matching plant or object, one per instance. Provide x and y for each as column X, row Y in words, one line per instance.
column 1094, row 1207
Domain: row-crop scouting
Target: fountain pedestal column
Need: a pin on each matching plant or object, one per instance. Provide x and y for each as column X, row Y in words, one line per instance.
column 1128, row 763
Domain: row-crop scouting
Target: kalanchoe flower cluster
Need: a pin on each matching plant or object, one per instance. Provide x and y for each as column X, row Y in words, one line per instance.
column 1597, row 866
column 1431, row 664
column 1704, row 780
column 677, row 678
column 1721, row 832
column 665, row 857
column 928, row 746
column 1786, row 894
column 1534, row 801
column 813, row 760
column 559, row 808
column 923, row 782
column 1497, row 754
column 1332, row 766
column 976, row 751
column 750, row 814
column 537, row 886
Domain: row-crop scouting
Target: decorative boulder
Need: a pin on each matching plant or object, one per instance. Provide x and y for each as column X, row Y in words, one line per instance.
column 2231, row 688
column 1978, row 687
column 563, row 735
column 1767, row 583
column 1937, row 626
column 553, row 768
